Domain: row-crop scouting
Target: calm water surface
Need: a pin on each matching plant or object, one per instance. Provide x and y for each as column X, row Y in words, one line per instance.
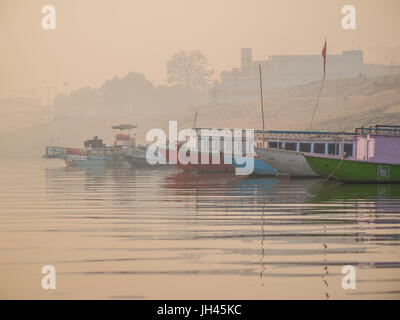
column 158, row 234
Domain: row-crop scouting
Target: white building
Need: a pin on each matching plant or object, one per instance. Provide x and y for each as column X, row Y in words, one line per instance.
column 283, row 71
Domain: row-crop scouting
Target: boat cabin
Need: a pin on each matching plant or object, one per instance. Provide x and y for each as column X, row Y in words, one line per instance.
column 94, row 143
column 229, row 141
column 318, row 142
column 380, row 143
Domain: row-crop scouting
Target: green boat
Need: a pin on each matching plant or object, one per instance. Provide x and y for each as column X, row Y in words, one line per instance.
column 376, row 157
column 354, row 171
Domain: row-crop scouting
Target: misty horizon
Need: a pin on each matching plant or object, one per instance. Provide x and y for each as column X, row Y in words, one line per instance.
column 117, row 39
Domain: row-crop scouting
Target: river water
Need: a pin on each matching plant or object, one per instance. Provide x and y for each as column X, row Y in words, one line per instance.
column 165, row 234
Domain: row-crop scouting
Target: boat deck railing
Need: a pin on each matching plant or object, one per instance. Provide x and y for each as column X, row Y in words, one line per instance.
column 379, row 129
column 303, row 135
column 55, row 152
column 293, row 135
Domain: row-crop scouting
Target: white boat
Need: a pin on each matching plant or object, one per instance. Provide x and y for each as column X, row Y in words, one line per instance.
column 284, row 150
column 286, row 162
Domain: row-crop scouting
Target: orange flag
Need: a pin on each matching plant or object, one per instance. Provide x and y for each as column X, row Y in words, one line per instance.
column 324, row 56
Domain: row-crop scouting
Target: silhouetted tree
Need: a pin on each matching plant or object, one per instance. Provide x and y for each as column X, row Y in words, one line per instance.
column 124, row 96
column 133, row 89
column 75, row 103
column 189, row 69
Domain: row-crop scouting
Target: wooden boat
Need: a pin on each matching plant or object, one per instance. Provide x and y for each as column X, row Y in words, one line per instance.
column 376, row 160
column 204, row 161
column 286, row 162
column 204, row 151
column 93, row 160
column 95, row 153
column 354, row 171
column 260, row 168
column 138, row 159
column 284, row 150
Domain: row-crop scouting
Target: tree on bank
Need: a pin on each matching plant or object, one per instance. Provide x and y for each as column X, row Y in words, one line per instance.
column 189, row 68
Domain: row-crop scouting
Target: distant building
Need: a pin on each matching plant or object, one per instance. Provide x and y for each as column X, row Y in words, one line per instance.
column 283, row 71
column 17, row 113
column 377, row 70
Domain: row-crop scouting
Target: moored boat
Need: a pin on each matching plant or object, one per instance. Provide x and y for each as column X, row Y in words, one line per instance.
column 284, row 150
column 96, row 153
column 200, row 161
column 286, row 162
column 354, row 171
column 376, row 159
column 261, row 168
column 207, row 150
column 138, row 158
column 92, row 160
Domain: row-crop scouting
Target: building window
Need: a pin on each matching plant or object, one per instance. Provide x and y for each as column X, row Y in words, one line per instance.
column 333, row 148
column 305, row 147
column 291, row 146
column 348, row 149
column 319, row 148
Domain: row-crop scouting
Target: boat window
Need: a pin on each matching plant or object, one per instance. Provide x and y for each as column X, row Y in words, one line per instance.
column 291, row 146
column 305, row 147
column 274, row 144
column 333, row 148
column 319, row 148
column 348, row 148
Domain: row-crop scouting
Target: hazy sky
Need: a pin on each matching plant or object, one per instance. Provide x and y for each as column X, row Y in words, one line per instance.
column 95, row 40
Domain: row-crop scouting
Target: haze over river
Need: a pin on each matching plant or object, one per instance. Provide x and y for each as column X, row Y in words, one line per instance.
column 165, row 234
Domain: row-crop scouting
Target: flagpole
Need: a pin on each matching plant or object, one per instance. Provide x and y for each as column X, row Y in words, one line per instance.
column 316, row 104
column 261, row 97
column 320, row 89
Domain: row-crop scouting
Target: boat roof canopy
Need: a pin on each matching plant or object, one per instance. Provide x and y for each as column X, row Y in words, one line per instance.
column 124, row 127
column 285, row 131
column 379, row 129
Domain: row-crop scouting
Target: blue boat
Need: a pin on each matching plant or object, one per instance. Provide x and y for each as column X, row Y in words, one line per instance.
column 96, row 153
column 261, row 168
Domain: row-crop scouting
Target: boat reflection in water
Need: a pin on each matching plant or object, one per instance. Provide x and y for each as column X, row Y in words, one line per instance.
column 160, row 234
column 303, row 226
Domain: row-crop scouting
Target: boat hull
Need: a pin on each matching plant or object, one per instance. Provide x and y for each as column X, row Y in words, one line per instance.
column 286, row 162
column 355, row 171
column 200, row 166
column 141, row 162
column 261, row 168
column 95, row 162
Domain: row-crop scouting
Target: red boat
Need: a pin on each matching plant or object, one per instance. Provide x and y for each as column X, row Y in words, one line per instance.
column 172, row 156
